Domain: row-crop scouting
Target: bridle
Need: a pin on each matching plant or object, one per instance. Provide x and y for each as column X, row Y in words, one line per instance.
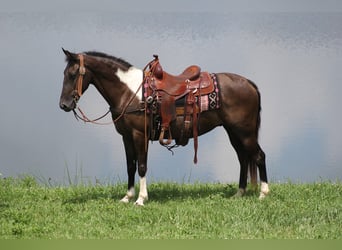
column 79, row 84
column 78, row 93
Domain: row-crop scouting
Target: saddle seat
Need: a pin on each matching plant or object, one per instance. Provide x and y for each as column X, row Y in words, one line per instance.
column 190, row 73
column 190, row 79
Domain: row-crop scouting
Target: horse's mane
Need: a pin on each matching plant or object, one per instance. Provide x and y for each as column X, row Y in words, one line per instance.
column 106, row 56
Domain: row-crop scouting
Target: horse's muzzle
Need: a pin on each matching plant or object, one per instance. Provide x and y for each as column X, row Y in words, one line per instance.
column 67, row 107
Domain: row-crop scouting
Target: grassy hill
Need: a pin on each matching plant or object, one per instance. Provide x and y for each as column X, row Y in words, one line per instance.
column 29, row 210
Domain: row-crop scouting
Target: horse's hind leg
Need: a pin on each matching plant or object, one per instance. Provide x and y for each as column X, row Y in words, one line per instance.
column 257, row 158
column 250, row 157
column 261, row 163
column 243, row 174
column 242, row 156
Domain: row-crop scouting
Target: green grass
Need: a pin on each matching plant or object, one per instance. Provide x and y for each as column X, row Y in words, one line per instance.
column 29, row 210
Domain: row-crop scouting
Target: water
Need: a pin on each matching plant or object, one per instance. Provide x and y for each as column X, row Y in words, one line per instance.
column 294, row 58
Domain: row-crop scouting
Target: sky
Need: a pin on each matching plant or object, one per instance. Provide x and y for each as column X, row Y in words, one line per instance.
column 174, row 5
column 280, row 52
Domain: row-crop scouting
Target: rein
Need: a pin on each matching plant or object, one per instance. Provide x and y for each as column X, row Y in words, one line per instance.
column 78, row 94
column 84, row 118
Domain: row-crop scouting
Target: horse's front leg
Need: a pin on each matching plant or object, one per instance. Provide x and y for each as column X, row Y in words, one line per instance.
column 142, row 169
column 143, row 195
column 131, row 161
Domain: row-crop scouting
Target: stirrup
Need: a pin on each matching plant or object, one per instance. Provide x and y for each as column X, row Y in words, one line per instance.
column 163, row 141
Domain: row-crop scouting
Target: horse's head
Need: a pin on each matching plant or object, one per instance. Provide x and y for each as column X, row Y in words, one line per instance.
column 76, row 81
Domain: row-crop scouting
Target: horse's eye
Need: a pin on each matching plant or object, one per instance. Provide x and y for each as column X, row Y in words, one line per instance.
column 72, row 76
column 73, row 71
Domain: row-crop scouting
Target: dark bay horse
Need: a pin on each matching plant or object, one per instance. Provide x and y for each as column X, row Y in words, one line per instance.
column 118, row 82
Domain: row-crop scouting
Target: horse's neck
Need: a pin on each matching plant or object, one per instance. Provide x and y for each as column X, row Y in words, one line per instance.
column 115, row 90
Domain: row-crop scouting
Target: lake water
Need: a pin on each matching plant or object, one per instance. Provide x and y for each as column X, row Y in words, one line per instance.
column 294, row 58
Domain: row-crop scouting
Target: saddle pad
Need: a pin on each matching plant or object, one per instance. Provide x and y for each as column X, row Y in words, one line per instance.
column 210, row 101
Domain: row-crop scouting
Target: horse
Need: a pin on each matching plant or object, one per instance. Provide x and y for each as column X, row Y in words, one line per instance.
column 119, row 82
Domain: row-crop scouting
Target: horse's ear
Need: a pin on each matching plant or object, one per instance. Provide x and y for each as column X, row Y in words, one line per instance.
column 69, row 55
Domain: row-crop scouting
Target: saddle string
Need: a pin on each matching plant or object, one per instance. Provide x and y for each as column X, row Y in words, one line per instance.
column 195, row 115
column 147, row 75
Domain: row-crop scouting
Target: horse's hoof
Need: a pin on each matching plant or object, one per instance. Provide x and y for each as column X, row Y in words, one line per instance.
column 140, row 202
column 262, row 196
column 264, row 190
column 125, row 199
column 239, row 193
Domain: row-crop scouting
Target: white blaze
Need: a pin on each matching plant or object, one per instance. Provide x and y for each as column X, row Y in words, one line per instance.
column 133, row 78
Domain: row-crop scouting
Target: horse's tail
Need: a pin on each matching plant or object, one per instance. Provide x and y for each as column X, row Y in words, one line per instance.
column 259, row 107
column 252, row 164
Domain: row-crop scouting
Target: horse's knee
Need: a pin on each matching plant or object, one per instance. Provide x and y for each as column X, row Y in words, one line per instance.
column 142, row 169
column 261, row 157
column 131, row 169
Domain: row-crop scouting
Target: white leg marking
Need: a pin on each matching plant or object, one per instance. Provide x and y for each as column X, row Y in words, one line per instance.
column 264, row 190
column 133, row 77
column 143, row 195
column 129, row 195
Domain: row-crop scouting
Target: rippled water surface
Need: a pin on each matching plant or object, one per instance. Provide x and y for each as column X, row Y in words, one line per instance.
column 294, row 58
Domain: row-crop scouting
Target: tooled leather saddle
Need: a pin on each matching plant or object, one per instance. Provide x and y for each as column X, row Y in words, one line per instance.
column 161, row 92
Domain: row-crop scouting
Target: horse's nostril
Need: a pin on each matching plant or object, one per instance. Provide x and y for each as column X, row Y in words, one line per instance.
column 64, row 106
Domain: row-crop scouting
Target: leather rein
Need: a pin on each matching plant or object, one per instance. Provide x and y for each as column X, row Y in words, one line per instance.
column 78, row 93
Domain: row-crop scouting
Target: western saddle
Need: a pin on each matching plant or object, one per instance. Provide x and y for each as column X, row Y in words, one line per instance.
column 162, row 90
